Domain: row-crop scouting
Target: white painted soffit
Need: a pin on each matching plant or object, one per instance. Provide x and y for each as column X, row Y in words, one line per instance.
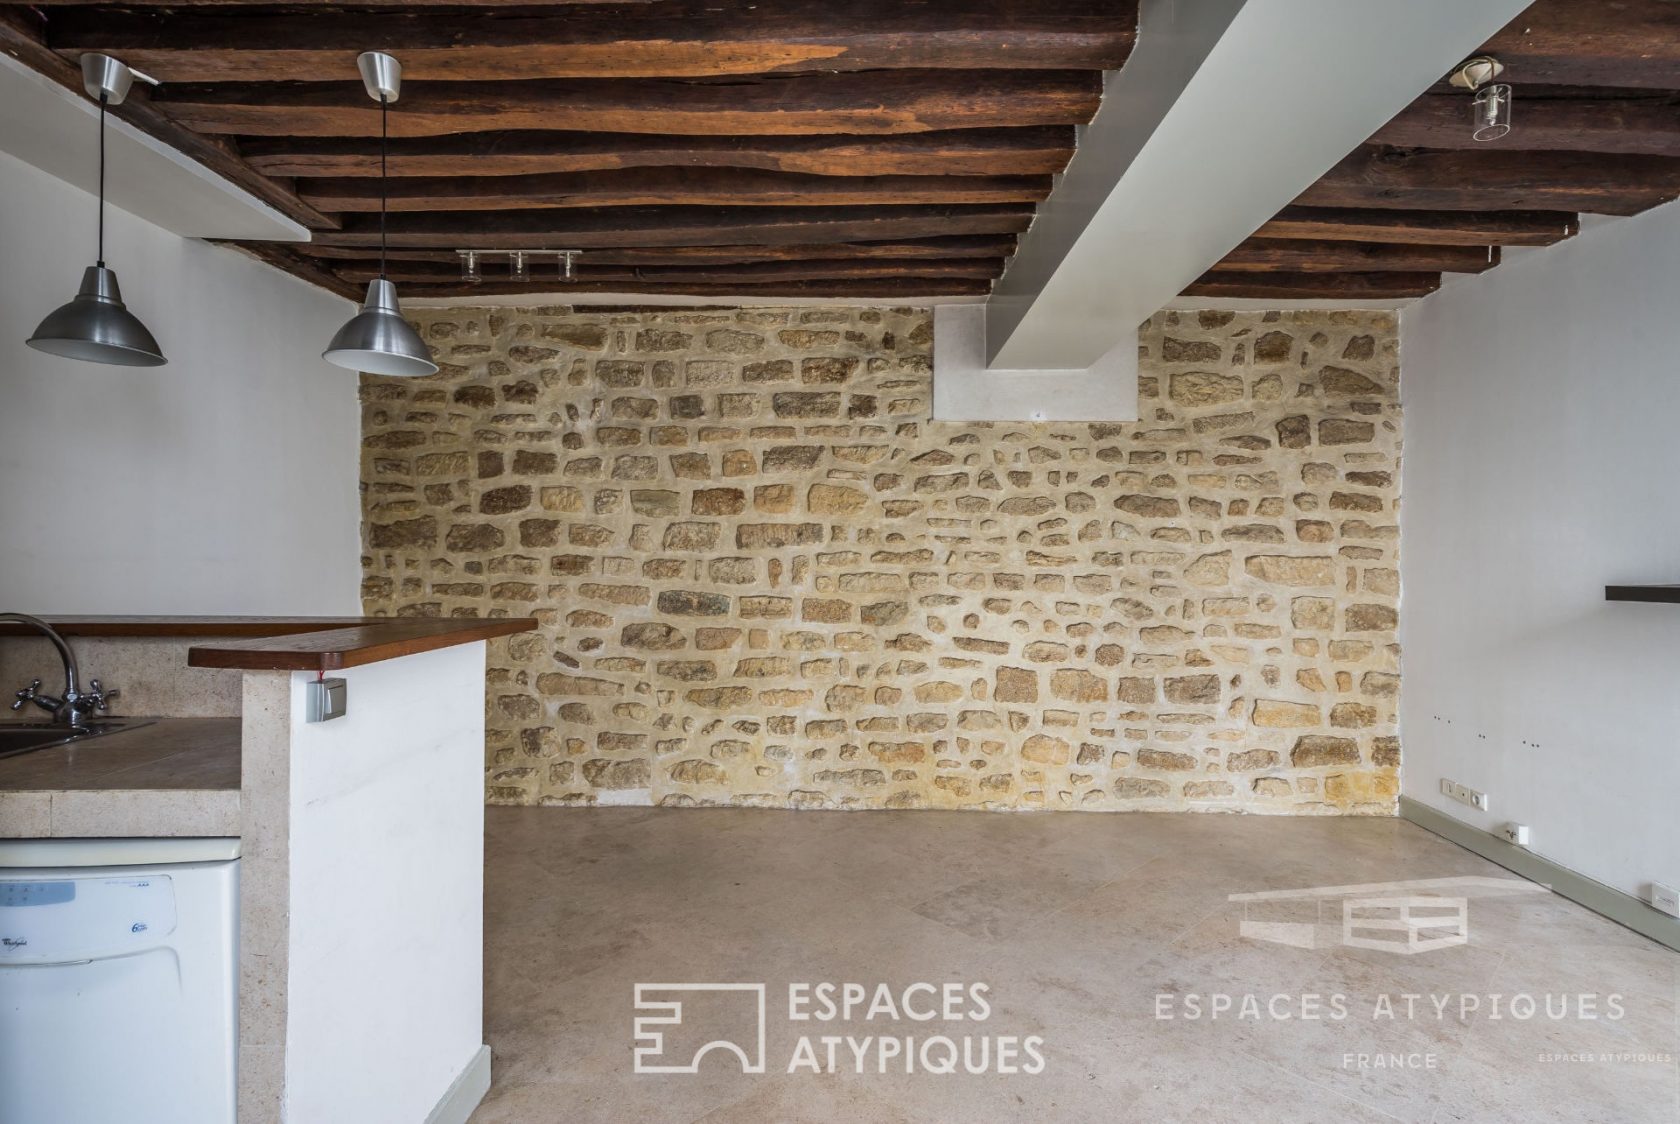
column 57, row 130
column 966, row 390
column 1224, row 113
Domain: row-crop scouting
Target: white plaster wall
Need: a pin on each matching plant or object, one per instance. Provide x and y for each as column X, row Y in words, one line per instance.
column 1542, row 405
column 224, row 482
column 385, row 962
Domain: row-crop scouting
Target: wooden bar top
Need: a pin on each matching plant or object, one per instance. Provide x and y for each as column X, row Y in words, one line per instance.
column 293, row 643
column 338, row 648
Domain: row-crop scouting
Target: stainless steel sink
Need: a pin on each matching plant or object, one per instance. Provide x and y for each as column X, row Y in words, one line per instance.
column 23, row 737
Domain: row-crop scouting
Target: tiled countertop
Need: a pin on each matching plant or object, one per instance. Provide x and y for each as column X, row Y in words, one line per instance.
column 175, row 777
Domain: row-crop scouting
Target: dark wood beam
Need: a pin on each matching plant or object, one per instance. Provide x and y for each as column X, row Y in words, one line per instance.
column 901, row 101
column 1268, row 255
column 284, row 257
column 1428, row 228
column 940, row 249
column 789, row 291
column 235, row 4
column 20, row 38
column 1376, row 176
column 655, row 187
column 1314, row 286
column 582, row 228
column 1592, row 43
column 682, row 38
column 546, row 271
column 1645, row 124
column 958, row 152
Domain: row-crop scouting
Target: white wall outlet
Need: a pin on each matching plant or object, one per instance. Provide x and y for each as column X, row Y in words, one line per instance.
column 1665, row 899
column 1461, row 793
column 1515, row 833
column 1446, row 787
column 1479, row 800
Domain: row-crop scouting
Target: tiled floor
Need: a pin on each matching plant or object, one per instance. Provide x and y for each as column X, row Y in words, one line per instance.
column 1083, row 928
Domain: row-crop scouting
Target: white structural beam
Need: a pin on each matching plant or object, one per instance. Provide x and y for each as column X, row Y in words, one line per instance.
column 57, row 130
column 965, row 390
column 1225, row 112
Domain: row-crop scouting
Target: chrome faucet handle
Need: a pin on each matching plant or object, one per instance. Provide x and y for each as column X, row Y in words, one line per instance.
column 26, row 694
column 98, row 696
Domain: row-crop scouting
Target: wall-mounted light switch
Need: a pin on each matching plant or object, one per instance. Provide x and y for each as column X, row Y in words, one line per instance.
column 327, row 699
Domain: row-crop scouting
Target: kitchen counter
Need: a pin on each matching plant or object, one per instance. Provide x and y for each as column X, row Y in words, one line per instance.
column 175, row 777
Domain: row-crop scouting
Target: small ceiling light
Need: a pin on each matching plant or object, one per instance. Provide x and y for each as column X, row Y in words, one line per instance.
column 1491, row 107
column 96, row 326
column 377, row 339
column 518, row 268
column 471, row 272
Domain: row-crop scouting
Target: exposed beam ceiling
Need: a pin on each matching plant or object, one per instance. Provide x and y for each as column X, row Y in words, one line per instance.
column 807, row 144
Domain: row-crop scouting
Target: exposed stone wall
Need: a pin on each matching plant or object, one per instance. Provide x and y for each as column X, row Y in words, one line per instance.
column 765, row 577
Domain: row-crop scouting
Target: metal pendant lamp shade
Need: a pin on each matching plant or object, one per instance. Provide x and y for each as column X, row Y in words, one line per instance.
column 96, row 326
column 377, row 339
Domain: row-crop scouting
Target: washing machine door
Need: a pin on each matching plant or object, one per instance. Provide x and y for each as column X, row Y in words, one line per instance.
column 103, row 1011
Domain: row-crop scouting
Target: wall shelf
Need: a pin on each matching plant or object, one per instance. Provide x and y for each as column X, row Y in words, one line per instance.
column 1668, row 593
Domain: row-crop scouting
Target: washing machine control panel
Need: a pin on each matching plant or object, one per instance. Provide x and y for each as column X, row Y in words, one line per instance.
column 45, row 920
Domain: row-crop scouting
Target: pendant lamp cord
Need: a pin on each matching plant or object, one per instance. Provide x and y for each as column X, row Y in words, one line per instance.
column 102, row 101
column 384, row 134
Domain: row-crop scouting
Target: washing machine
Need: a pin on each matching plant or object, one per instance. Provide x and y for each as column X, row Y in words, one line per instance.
column 118, row 981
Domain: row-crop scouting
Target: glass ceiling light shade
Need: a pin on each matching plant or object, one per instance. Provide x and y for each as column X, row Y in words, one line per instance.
column 96, row 326
column 377, row 339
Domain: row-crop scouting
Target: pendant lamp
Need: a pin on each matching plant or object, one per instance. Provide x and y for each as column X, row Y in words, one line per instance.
column 96, row 326
column 377, row 339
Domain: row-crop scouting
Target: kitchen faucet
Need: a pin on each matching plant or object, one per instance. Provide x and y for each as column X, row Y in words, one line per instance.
column 74, row 704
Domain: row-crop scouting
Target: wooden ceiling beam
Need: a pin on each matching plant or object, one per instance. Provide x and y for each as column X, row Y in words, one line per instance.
column 940, row 249
column 582, row 228
column 902, row 101
column 1647, row 124
column 20, row 38
column 69, row 5
column 791, row 291
column 1314, row 286
column 285, row 257
column 1428, row 228
column 1592, row 43
column 1267, row 255
column 588, row 272
column 677, row 38
column 958, row 152
column 1597, row 183
column 654, row 187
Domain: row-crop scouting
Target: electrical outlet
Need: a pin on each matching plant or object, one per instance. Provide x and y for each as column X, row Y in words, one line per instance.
column 1665, row 899
column 1516, row 833
column 1461, row 793
column 1479, row 800
column 1446, row 787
